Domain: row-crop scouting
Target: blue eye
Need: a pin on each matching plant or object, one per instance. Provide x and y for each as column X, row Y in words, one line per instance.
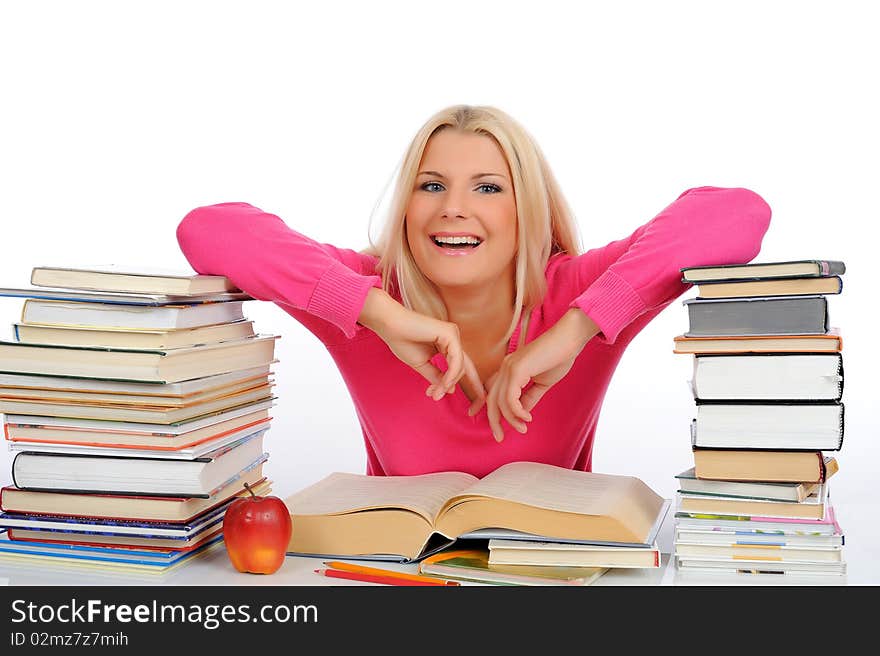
column 493, row 189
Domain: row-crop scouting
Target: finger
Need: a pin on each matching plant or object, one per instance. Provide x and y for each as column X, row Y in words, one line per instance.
column 513, row 402
column 475, row 385
column 504, row 403
column 454, row 359
column 532, row 395
column 493, row 413
column 434, row 376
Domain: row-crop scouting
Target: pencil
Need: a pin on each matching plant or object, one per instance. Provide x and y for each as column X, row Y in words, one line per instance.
column 372, row 578
column 363, row 569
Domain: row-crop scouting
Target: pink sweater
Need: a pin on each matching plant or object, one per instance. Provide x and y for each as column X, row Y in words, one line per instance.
column 620, row 286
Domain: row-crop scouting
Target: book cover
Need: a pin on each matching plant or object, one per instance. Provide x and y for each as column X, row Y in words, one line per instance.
column 757, row 315
column 768, row 376
column 761, row 270
column 831, row 342
column 120, row 298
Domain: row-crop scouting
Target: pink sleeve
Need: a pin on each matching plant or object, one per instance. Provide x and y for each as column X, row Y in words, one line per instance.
column 705, row 225
column 268, row 260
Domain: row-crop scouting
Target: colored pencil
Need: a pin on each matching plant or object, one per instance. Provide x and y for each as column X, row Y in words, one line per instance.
column 363, row 569
column 373, row 578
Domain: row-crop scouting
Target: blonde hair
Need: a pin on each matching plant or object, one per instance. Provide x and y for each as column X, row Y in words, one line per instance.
column 545, row 225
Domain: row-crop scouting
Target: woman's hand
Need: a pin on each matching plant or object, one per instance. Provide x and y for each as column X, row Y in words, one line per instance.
column 543, row 362
column 415, row 339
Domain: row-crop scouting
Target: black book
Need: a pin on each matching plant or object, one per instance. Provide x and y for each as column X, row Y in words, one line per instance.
column 758, row 315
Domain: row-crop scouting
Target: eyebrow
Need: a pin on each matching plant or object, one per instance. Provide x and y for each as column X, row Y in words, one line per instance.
column 474, row 177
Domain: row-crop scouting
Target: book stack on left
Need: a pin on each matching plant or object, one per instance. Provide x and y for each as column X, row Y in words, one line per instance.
column 135, row 402
column 768, row 386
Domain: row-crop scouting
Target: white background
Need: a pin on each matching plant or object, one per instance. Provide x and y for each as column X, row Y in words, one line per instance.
column 118, row 118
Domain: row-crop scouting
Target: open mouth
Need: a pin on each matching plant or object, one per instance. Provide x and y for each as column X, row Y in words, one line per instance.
column 457, row 243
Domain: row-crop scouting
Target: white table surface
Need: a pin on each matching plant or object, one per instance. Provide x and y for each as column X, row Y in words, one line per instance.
column 858, row 521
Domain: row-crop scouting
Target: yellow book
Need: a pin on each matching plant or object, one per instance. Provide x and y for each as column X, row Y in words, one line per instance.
column 406, row 518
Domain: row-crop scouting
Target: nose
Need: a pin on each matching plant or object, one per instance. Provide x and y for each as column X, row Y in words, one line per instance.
column 454, row 205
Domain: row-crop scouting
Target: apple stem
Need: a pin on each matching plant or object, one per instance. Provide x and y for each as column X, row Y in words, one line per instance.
column 248, row 488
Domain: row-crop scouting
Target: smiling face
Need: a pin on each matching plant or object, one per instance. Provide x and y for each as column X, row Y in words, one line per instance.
column 461, row 217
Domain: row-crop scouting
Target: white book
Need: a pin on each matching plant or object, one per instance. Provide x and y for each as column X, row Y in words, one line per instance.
column 768, row 377
column 127, row 298
column 189, row 453
column 201, row 477
column 160, row 365
column 770, row 426
column 142, row 317
column 179, row 389
column 563, row 554
column 130, row 278
column 728, row 536
column 171, row 429
column 759, row 566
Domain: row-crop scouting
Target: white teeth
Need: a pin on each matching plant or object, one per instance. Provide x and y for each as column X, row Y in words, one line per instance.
column 457, row 240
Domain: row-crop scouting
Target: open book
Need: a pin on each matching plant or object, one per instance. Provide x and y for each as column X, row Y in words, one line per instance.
column 406, row 518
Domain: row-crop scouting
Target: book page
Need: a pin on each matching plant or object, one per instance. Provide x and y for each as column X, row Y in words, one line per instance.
column 555, row 488
column 342, row 492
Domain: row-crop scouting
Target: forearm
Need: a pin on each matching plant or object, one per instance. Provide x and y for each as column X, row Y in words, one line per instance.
column 262, row 256
column 378, row 311
column 576, row 328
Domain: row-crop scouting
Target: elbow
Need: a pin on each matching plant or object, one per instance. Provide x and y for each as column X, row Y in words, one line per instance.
column 202, row 231
column 752, row 220
column 737, row 220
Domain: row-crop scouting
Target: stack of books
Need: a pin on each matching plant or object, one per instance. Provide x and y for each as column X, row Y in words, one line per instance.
column 768, row 387
column 136, row 403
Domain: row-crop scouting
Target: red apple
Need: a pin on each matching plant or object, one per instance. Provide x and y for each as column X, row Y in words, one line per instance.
column 256, row 530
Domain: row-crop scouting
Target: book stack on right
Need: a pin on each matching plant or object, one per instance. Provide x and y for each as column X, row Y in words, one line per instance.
column 135, row 402
column 768, row 387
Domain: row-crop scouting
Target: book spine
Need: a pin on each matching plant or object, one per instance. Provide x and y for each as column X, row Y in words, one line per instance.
column 821, row 478
column 840, row 377
column 14, row 461
column 840, row 438
column 824, row 302
column 831, row 267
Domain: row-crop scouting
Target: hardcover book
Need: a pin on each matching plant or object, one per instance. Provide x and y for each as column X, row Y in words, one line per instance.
column 124, row 317
column 768, row 376
column 758, row 315
column 35, row 429
column 133, row 339
column 760, row 270
column 130, row 278
column 111, row 299
column 202, row 477
column 160, row 366
column 688, row 482
column 15, row 501
column 769, row 466
column 756, row 524
column 828, row 343
column 140, row 413
column 812, row 508
column 559, row 554
column 771, row 287
column 763, row 425
column 405, row 518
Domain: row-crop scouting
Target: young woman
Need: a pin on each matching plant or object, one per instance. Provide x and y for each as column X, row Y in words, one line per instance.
column 476, row 286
